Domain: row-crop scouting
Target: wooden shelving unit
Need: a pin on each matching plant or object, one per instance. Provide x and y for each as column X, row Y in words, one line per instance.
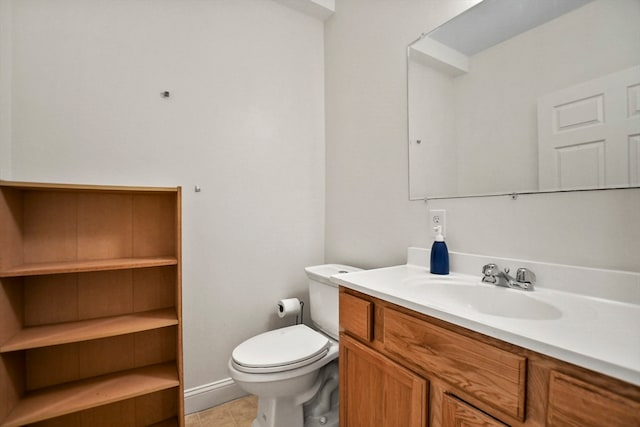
column 79, row 395
column 90, row 306
column 83, row 330
column 42, row 268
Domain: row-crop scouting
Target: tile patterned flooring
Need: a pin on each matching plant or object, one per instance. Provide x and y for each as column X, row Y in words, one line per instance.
column 237, row 413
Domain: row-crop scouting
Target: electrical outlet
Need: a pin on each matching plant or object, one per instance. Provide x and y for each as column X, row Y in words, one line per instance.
column 438, row 217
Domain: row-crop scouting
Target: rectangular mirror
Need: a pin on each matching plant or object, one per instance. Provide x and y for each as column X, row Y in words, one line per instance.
column 523, row 96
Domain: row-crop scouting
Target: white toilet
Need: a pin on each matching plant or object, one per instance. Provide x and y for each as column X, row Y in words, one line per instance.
column 294, row 370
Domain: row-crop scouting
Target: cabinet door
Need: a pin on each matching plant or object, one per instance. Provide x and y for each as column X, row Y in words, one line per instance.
column 456, row 413
column 575, row 403
column 375, row 391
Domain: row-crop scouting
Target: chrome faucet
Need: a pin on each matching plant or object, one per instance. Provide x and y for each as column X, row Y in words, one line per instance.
column 525, row 279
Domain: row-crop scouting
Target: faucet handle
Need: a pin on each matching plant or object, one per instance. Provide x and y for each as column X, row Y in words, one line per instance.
column 524, row 275
column 490, row 269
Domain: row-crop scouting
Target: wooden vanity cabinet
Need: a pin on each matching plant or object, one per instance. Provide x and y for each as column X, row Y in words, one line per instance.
column 456, row 413
column 380, row 392
column 573, row 402
column 470, row 379
column 90, row 306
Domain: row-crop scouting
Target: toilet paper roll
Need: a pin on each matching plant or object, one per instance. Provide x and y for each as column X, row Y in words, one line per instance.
column 288, row 307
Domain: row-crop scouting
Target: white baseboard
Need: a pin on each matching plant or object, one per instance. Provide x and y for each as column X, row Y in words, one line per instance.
column 206, row 396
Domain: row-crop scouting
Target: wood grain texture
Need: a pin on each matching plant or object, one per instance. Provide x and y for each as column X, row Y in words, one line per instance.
column 103, row 416
column 154, row 225
column 492, row 375
column 143, row 411
column 157, row 408
column 105, row 293
column 11, row 307
column 378, row 392
column 61, row 400
column 11, row 382
column 67, row 255
column 69, row 332
column 61, row 267
column 154, row 288
column 495, row 376
column 155, row 346
column 54, row 365
column 11, row 366
column 171, row 422
column 105, row 226
column 577, row 403
column 106, row 355
column 178, row 303
column 356, row 316
column 49, row 231
column 11, row 220
column 48, row 366
column 50, row 299
column 456, row 413
column 21, row 185
column 537, row 375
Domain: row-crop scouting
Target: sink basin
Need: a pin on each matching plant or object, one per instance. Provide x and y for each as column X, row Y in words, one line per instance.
column 507, row 303
column 486, row 299
column 429, row 280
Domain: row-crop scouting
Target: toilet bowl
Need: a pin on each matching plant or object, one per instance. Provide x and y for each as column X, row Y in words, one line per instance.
column 287, row 379
column 293, row 370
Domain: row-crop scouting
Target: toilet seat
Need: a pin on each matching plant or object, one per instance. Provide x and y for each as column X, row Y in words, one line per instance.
column 280, row 350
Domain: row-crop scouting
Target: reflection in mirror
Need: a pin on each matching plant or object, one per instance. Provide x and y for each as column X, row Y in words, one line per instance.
column 501, row 105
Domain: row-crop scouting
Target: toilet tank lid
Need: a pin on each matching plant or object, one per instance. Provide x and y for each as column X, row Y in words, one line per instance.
column 323, row 272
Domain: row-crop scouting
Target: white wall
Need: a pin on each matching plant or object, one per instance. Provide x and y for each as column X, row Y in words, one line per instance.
column 369, row 221
column 5, row 89
column 245, row 121
column 433, row 166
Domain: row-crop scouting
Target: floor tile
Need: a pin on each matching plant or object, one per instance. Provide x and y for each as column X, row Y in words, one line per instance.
column 192, row 420
column 218, row 416
column 243, row 410
column 237, row 413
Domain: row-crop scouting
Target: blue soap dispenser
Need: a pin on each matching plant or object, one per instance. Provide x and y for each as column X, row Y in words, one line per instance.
column 439, row 253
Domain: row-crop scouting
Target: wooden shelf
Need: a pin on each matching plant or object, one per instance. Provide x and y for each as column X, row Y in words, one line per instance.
column 173, row 422
column 61, row 267
column 80, row 395
column 76, row 187
column 90, row 304
column 64, row 333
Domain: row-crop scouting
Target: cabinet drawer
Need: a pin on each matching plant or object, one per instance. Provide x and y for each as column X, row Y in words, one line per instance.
column 356, row 316
column 455, row 412
column 573, row 402
column 493, row 376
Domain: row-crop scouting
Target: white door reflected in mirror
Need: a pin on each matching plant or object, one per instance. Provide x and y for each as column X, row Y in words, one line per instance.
column 475, row 109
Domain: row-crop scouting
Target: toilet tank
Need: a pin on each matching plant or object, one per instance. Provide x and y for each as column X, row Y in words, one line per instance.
column 323, row 296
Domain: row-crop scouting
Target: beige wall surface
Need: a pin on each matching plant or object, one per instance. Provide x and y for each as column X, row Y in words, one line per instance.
column 5, row 88
column 369, row 220
column 244, row 121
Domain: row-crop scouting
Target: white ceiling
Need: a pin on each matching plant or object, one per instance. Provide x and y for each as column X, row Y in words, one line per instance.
column 493, row 21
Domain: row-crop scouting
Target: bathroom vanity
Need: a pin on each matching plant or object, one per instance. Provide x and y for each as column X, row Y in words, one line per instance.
column 408, row 361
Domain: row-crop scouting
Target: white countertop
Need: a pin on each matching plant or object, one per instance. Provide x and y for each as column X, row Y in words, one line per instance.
column 596, row 333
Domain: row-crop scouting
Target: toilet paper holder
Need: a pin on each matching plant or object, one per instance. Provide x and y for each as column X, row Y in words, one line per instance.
column 289, row 307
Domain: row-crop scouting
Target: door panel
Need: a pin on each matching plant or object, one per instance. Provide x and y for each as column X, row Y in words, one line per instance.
column 587, row 134
column 375, row 391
